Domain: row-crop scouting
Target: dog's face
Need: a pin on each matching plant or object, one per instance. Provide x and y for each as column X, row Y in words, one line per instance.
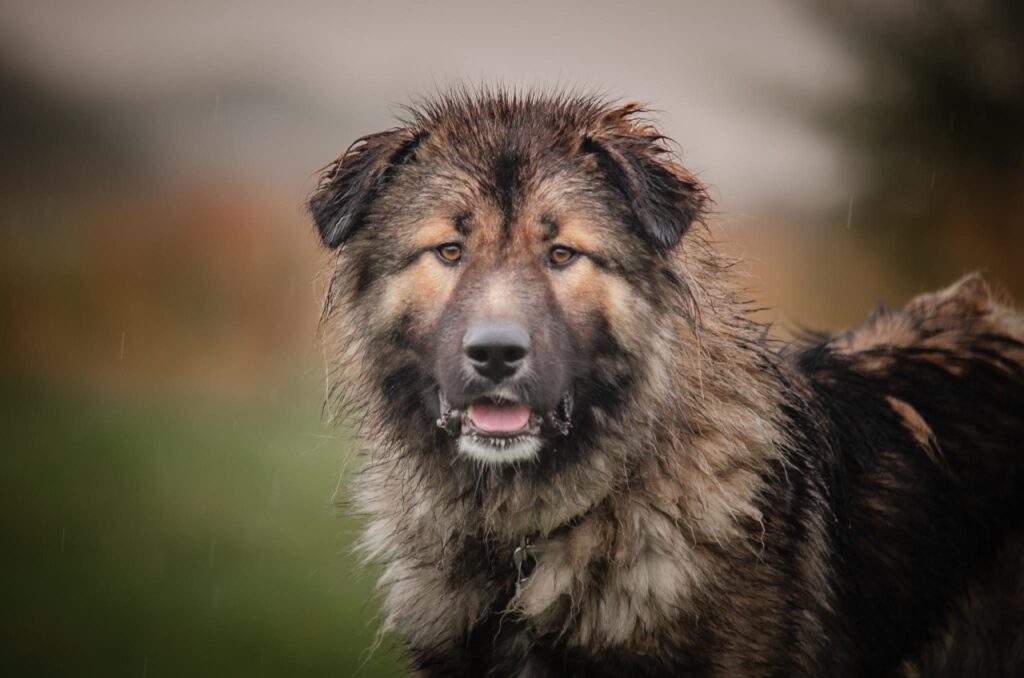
column 501, row 267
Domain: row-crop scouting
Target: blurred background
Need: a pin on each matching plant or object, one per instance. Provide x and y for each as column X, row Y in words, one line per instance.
column 167, row 471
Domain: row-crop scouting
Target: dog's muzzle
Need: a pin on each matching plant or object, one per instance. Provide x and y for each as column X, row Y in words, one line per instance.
column 497, row 431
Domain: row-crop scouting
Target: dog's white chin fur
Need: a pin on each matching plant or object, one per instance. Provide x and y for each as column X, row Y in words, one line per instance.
column 498, row 450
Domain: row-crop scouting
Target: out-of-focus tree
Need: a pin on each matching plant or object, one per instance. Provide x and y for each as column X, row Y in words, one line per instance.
column 935, row 132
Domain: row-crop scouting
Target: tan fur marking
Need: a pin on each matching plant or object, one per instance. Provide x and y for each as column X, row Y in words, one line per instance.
column 915, row 423
column 435, row 231
column 424, row 286
column 575, row 232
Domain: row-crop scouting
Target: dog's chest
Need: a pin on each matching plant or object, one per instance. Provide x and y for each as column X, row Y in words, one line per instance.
column 590, row 596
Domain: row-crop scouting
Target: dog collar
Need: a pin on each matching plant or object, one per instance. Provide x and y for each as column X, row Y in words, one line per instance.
column 524, row 559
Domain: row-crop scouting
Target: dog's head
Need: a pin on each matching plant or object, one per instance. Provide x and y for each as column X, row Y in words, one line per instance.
column 503, row 265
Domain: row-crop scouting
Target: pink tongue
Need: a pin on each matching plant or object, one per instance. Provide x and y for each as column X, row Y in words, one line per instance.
column 499, row 418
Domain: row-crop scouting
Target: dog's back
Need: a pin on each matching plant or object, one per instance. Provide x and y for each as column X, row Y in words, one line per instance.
column 924, row 412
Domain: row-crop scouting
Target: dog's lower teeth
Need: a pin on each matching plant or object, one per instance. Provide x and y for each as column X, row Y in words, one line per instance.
column 499, row 442
column 495, row 450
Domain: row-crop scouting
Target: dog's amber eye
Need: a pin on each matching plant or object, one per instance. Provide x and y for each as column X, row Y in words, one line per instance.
column 450, row 252
column 560, row 256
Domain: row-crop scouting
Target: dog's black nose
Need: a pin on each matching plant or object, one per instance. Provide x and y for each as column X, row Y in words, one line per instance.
column 496, row 348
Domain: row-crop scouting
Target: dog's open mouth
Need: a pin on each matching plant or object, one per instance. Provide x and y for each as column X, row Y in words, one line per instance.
column 501, row 431
column 500, row 419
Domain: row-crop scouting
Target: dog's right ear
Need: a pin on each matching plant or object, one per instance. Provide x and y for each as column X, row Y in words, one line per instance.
column 350, row 184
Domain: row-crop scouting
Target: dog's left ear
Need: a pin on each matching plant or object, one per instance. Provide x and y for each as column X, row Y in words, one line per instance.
column 350, row 184
column 665, row 198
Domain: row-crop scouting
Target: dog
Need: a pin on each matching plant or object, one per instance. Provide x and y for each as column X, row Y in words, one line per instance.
column 582, row 457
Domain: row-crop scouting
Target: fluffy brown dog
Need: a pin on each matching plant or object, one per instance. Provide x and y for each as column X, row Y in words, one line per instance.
column 583, row 458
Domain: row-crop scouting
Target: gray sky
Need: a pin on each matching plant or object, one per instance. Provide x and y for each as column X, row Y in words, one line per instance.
column 271, row 91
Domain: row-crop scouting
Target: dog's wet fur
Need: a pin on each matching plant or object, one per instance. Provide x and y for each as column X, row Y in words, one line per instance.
column 690, row 498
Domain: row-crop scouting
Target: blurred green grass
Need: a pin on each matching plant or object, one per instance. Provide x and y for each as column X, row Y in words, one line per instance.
column 169, row 536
